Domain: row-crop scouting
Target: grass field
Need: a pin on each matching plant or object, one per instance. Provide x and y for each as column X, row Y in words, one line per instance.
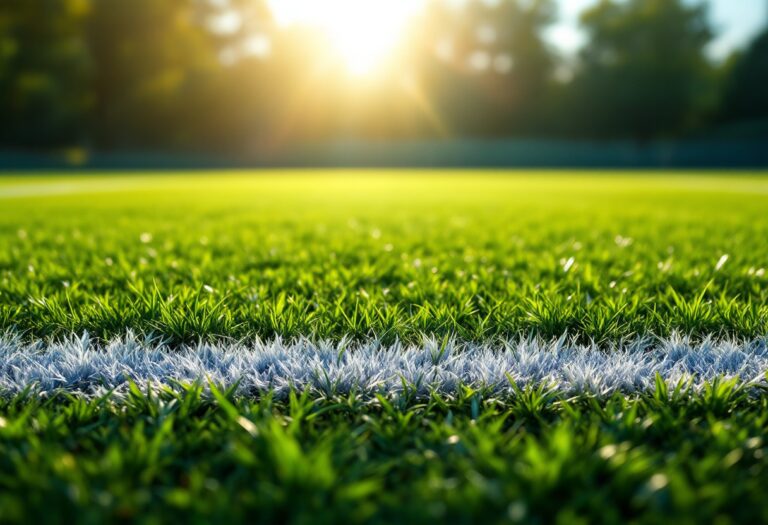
column 385, row 255
column 319, row 347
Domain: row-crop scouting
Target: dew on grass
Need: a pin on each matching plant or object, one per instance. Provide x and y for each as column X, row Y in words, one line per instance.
column 623, row 242
column 721, row 262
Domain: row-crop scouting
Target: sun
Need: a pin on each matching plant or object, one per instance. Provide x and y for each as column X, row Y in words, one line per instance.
column 364, row 33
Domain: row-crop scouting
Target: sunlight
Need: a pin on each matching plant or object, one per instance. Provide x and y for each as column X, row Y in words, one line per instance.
column 363, row 32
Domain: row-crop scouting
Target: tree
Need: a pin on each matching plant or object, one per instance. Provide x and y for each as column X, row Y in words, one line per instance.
column 493, row 70
column 147, row 57
column 746, row 96
column 643, row 72
column 44, row 70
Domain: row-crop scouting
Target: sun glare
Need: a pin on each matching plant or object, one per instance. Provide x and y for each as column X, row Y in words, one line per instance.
column 363, row 32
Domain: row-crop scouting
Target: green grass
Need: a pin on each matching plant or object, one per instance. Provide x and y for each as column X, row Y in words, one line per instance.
column 329, row 255
column 668, row 457
column 394, row 255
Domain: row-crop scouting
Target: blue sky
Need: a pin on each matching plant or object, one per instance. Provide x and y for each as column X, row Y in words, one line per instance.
column 736, row 22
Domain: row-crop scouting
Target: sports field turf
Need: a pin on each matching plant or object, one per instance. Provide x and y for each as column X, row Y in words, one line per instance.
column 348, row 346
column 386, row 255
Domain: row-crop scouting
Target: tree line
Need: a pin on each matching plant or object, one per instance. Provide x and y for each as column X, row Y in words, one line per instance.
column 179, row 74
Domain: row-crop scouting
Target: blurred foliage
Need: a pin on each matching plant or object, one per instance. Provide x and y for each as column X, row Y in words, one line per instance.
column 44, row 71
column 643, row 71
column 493, row 72
column 145, row 55
column 183, row 74
column 747, row 96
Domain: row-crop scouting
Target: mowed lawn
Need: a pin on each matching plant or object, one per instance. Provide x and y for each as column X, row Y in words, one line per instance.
column 391, row 255
column 367, row 258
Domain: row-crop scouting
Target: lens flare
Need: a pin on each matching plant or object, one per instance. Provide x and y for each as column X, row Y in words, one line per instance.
column 364, row 33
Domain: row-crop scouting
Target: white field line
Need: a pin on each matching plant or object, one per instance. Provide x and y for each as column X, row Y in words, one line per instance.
column 81, row 367
column 42, row 189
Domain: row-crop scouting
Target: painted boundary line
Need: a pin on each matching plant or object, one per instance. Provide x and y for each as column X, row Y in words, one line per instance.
column 52, row 189
column 82, row 367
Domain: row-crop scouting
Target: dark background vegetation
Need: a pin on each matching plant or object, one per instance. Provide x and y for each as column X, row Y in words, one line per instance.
column 157, row 75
